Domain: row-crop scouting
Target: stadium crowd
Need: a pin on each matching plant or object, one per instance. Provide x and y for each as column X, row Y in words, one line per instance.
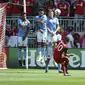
column 68, row 7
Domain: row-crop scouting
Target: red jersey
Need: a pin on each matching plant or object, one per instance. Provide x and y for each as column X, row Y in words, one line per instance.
column 15, row 32
column 9, row 9
column 64, row 7
column 16, row 8
column 58, row 49
column 29, row 7
column 50, row 7
column 80, row 5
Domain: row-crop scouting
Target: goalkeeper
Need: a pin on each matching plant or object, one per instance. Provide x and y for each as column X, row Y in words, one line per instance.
column 23, row 29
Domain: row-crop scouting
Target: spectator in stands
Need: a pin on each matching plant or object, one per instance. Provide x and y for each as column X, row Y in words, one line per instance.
column 38, row 4
column 76, row 37
column 42, row 3
column 29, row 5
column 79, row 13
column 55, row 2
column 15, row 30
column 16, row 7
column 1, row 1
column 36, row 7
column 9, row 9
column 72, row 8
column 70, row 44
column 8, row 30
column 8, row 34
column 64, row 7
column 50, row 5
column 82, row 39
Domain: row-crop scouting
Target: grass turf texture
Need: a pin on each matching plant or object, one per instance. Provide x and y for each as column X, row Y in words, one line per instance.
column 39, row 77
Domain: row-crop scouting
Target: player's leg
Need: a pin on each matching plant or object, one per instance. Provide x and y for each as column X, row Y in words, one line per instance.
column 19, row 56
column 59, row 68
column 49, row 55
column 19, row 50
column 65, row 63
column 39, row 40
column 24, row 56
column 44, row 45
column 24, row 43
column 46, row 64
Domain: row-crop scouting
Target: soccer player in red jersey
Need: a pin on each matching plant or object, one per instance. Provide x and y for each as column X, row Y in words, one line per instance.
column 61, row 56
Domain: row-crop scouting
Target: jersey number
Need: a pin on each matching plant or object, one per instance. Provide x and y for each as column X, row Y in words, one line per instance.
column 59, row 46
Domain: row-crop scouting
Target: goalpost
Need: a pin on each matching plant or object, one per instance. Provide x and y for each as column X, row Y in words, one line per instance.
column 24, row 5
column 3, row 49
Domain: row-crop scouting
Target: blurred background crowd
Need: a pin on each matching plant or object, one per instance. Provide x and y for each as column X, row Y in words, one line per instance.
column 68, row 7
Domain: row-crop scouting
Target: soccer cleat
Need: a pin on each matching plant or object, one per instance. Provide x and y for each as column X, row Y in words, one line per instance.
column 40, row 58
column 24, row 63
column 67, row 75
column 46, row 69
column 20, row 62
column 60, row 71
column 42, row 62
column 67, row 72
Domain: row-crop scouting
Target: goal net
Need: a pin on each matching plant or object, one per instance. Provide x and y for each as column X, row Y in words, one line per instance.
column 3, row 49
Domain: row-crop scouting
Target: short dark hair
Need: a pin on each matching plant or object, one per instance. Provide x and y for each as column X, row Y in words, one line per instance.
column 23, row 13
column 70, row 29
column 41, row 9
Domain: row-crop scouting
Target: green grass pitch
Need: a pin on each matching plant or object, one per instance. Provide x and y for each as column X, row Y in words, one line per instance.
column 39, row 77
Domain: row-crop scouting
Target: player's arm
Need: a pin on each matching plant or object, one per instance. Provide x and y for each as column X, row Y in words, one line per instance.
column 65, row 53
column 68, row 55
column 58, row 29
column 28, row 27
column 52, row 34
column 23, row 38
column 23, row 24
column 40, row 21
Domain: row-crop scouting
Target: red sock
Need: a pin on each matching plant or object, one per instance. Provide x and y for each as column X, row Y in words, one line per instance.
column 66, row 65
column 64, row 69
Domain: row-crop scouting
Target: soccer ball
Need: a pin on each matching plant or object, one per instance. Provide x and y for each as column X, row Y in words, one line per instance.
column 57, row 11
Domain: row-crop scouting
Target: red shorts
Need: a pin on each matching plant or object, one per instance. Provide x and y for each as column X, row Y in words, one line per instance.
column 61, row 60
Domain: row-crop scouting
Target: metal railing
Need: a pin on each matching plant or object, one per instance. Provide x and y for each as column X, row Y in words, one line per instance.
column 77, row 24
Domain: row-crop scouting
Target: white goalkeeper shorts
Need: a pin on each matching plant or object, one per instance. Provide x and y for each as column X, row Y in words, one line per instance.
column 42, row 37
column 21, row 42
